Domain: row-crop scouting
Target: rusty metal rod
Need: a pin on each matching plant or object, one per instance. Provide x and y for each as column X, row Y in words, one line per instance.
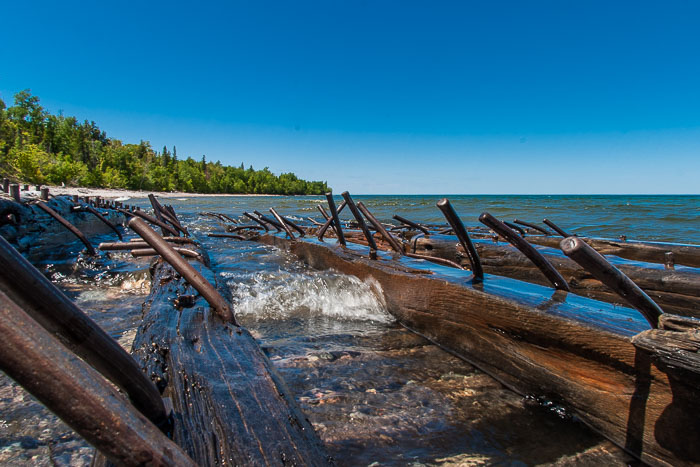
column 179, row 225
column 169, row 239
column 556, row 228
column 293, row 225
column 334, row 219
column 282, row 223
column 252, row 217
column 403, row 220
column 138, row 252
column 157, row 212
column 270, row 221
column 463, row 237
column 231, row 219
column 323, row 212
column 435, row 259
column 527, row 249
column 191, row 275
column 113, row 246
column 152, row 220
column 314, row 221
column 47, row 305
column 73, row 229
column 104, row 220
column 75, row 392
column 243, row 227
column 360, row 221
column 380, row 228
column 533, row 226
column 515, row 227
column 224, row 235
column 171, row 218
column 594, row 263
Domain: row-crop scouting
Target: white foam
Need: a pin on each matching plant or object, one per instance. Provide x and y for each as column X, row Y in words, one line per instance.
column 283, row 294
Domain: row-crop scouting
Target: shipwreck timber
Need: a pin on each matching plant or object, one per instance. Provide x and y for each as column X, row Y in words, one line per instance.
column 537, row 341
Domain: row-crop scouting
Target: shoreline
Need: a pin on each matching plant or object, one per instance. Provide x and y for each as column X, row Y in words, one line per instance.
column 114, row 193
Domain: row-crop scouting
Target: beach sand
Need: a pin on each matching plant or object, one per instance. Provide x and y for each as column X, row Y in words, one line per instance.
column 109, row 193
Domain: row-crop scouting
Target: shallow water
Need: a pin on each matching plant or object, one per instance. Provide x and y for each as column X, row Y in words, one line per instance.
column 375, row 392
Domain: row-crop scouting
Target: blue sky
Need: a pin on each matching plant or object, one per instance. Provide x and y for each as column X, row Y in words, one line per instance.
column 384, row 97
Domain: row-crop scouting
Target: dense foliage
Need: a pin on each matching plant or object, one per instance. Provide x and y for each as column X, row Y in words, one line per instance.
column 38, row 147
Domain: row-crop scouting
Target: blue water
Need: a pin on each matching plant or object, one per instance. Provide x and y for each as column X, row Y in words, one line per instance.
column 667, row 218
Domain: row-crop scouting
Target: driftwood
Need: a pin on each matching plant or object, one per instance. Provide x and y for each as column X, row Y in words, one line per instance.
column 230, row 406
column 559, row 346
column 676, row 291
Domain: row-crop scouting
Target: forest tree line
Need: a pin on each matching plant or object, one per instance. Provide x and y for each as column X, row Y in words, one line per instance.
column 38, row 147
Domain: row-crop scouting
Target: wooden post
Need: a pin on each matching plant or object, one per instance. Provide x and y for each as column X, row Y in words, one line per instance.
column 14, row 192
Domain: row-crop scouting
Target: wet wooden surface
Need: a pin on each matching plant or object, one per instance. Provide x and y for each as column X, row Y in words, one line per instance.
column 676, row 291
column 558, row 346
column 230, row 406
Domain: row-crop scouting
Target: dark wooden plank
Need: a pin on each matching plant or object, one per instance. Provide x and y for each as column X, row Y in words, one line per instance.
column 230, row 405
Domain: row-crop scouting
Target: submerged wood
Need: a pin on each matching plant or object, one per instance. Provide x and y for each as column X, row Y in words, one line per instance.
column 231, row 408
column 550, row 344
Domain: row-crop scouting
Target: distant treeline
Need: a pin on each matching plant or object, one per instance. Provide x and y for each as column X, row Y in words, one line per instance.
column 38, row 147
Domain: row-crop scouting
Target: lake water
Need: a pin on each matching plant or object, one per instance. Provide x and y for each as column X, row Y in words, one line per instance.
column 375, row 393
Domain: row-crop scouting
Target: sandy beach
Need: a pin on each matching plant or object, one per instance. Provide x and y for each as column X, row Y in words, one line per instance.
column 109, row 193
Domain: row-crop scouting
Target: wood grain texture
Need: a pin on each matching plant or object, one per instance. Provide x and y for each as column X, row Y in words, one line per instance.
column 230, row 406
column 565, row 348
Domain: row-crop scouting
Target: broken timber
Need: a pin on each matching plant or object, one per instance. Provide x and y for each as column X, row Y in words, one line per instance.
column 537, row 341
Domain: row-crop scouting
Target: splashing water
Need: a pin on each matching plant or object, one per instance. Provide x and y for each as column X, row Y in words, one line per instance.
column 283, row 294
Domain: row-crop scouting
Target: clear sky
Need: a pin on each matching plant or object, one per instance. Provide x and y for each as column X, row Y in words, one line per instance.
column 383, row 97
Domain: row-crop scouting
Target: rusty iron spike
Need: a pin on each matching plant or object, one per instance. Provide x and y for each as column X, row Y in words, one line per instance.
column 527, row 249
column 361, row 223
column 463, row 237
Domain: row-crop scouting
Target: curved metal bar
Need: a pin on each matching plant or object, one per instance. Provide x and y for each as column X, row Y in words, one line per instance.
column 556, row 228
column 293, row 225
column 97, row 214
column 255, row 219
column 272, row 222
column 360, row 221
column 533, row 226
column 71, row 389
column 56, row 313
column 527, row 249
column 463, row 237
column 515, row 227
column 191, row 275
column 403, row 220
column 380, row 228
column 73, row 229
column 323, row 212
column 334, row 220
column 435, row 259
column 152, row 220
column 601, row 269
column 282, row 223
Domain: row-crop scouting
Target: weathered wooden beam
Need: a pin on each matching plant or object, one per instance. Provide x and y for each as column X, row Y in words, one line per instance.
column 571, row 350
column 230, row 406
